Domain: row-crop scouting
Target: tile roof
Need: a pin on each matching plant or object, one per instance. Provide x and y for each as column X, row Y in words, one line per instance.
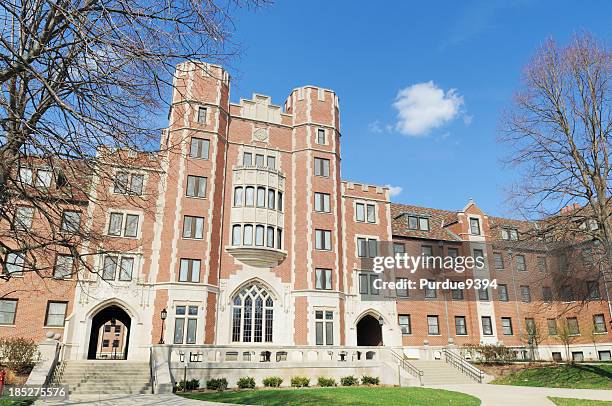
column 437, row 220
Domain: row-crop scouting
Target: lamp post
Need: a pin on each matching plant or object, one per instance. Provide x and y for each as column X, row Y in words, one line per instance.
column 163, row 315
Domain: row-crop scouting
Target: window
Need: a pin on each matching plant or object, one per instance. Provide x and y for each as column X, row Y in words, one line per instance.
column 429, row 292
column 202, row 115
column 238, row 196
column 542, row 264
column 105, row 343
column 126, row 183
column 427, row 250
column 359, row 212
column 270, row 237
column 271, row 198
column 56, row 314
column 190, row 270
column 14, row 264
column 196, row 186
column 248, row 235
column 572, row 325
column 71, row 221
column 109, row 268
column 401, row 287
column 236, row 234
column 552, row 327
column 322, row 202
column 502, row 291
column 453, row 252
column 525, row 294
column 404, row 323
column 520, row 263
column 247, row 159
column 131, row 225
column 279, row 238
column 478, row 253
column 199, row 148
column 593, row 290
column 321, row 136
column 567, row 293
column 323, row 240
column 483, row 294
column 249, row 196
column 507, row 326
column 252, row 315
column 136, row 184
column 193, row 227
column 457, row 294
column 279, row 205
column 599, row 323
column 8, row 309
column 487, row 327
column 509, row 234
column 185, row 324
column 323, row 279
column 115, row 223
column 547, row 294
column 460, row 326
column 261, row 197
column 577, row 356
column 604, row 355
column 64, row 266
column 23, row 218
column 259, row 160
column 366, row 284
column 271, row 162
column 498, row 259
column 43, row 178
column 530, row 326
column 418, row 223
column 121, row 182
column 433, row 328
column 321, row 167
column 324, row 327
column 474, row 226
column 259, row 235
column 399, row 248
column 371, row 211
column 26, row 176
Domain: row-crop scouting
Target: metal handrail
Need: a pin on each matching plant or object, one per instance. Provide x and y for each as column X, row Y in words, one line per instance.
column 152, row 370
column 57, row 367
column 463, row 365
column 408, row 367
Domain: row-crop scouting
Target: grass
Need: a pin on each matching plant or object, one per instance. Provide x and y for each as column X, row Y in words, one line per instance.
column 579, row 402
column 578, row 376
column 358, row 396
column 15, row 402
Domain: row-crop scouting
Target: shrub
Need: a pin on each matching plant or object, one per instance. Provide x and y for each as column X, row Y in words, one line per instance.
column 219, row 384
column 349, row 381
column 300, row 381
column 191, row 384
column 272, row 381
column 19, row 354
column 490, row 352
column 323, row 381
column 370, row 380
column 246, row 382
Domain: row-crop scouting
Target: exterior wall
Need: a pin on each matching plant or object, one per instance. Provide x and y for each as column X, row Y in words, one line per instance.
column 287, row 271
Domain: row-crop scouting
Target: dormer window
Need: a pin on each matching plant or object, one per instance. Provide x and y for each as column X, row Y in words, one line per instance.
column 474, row 226
column 509, row 234
column 418, row 223
column 43, row 178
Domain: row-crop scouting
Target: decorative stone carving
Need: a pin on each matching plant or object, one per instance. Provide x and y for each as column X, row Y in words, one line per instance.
column 261, row 134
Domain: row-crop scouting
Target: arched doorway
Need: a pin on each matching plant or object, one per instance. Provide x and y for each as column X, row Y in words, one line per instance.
column 110, row 334
column 369, row 331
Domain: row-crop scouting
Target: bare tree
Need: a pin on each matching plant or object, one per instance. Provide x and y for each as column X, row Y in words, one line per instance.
column 533, row 337
column 81, row 83
column 566, row 337
column 559, row 132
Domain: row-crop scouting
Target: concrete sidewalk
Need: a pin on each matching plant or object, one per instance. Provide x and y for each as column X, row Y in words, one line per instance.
column 502, row 395
column 128, row 400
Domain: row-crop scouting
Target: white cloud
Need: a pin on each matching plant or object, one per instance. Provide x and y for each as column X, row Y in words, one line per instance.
column 424, row 106
column 467, row 119
column 394, row 190
column 374, row 127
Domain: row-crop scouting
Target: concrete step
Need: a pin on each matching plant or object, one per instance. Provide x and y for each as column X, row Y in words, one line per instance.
column 106, row 377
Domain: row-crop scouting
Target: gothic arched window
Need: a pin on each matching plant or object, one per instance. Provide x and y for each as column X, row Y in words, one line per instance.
column 252, row 315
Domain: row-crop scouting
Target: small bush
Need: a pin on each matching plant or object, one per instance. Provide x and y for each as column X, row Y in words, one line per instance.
column 272, row 381
column 323, row 381
column 246, row 382
column 349, row 381
column 192, row 384
column 300, row 381
column 369, row 380
column 19, row 354
column 219, row 384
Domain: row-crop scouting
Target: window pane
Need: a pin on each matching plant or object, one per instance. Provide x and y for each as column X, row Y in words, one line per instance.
column 371, row 213
column 279, row 206
column 114, row 226
column 63, row 266
column 423, row 223
column 71, row 221
column 43, row 178
column 136, row 184
column 248, row 235
column 125, row 271
column 259, row 235
column 271, row 196
column 270, row 237
column 191, row 330
column 261, row 197
column 14, row 264
column 179, row 330
column 250, row 196
column 236, row 234
column 271, row 162
column 279, row 239
column 23, row 218
column 329, row 333
column 8, row 309
column 56, row 314
column 360, row 212
column 238, row 196
column 319, row 333
column 131, row 225
column 110, row 266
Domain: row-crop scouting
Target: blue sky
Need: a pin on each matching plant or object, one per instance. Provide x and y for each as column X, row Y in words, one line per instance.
column 438, row 142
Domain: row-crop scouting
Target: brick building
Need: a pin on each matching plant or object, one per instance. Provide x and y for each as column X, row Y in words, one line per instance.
column 250, row 237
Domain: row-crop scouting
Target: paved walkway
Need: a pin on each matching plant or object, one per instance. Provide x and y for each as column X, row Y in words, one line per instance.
column 127, row 400
column 502, row 395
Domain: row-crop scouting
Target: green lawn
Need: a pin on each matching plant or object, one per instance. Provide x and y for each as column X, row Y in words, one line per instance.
column 21, row 402
column 579, row 402
column 562, row 376
column 359, row 396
